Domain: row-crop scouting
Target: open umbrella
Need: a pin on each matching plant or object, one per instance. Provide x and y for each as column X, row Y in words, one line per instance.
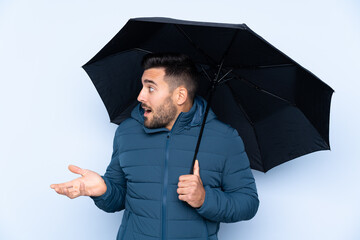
column 280, row 109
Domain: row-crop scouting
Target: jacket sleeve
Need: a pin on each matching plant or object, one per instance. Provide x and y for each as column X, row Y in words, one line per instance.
column 238, row 199
column 114, row 198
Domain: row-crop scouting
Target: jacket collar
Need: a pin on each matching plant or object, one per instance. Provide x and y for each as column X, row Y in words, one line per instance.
column 185, row 120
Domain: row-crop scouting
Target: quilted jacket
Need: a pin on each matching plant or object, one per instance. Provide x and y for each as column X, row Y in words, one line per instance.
column 144, row 171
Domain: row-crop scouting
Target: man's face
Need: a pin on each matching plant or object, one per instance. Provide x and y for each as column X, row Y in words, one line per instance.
column 156, row 100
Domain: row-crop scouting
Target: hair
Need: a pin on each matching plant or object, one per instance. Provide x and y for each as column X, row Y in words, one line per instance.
column 179, row 70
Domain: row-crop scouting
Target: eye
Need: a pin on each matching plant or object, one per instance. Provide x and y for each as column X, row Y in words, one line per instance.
column 151, row 89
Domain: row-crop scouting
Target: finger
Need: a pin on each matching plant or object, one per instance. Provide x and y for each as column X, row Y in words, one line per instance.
column 82, row 189
column 183, row 198
column 183, row 191
column 188, row 177
column 53, row 186
column 65, row 191
column 58, row 190
column 196, row 169
column 75, row 186
column 77, row 170
column 73, row 193
column 62, row 185
column 72, row 189
column 185, row 184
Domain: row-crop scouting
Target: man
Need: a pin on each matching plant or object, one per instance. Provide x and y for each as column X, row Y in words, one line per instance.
column 148, row 175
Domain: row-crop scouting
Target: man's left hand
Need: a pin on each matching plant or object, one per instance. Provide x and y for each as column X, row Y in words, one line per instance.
column 190, row 188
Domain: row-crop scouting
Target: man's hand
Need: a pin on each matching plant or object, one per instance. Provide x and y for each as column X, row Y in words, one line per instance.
column 190, row 188
column 89, row 184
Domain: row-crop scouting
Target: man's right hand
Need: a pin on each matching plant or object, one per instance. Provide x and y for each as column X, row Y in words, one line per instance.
column 89, row 184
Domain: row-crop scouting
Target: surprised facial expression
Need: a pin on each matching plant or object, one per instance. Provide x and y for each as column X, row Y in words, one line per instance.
column 156, row 100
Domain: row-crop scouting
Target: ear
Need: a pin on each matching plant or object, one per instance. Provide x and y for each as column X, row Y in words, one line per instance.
column 182, row 95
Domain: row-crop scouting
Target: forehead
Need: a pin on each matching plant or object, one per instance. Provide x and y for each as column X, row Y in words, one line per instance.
column 155, row 75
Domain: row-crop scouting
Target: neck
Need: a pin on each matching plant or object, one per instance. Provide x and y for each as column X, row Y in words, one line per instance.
column 183, row 108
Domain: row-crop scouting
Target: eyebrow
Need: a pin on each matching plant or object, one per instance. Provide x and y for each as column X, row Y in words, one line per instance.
column 150, row 81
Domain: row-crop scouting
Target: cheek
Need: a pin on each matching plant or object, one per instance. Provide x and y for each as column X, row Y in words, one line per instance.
column 154, row 101
column 157, row 99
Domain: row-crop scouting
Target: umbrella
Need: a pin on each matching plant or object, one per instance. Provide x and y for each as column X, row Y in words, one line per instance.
column 280, row 109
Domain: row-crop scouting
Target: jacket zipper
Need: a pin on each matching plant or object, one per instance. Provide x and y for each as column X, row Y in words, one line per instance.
column 165, row 188
column 163, row 218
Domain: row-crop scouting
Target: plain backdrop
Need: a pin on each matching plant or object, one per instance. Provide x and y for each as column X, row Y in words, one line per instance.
column 52, row 116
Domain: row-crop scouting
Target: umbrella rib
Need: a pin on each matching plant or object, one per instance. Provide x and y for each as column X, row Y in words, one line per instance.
column 143, row 50
column 282, row 99
column 220, row 80
column 263, row 90
column 218, row 73
column 262, row 66
column 275, row 65
column 205, row 73
column 194, row 44
column 229, row 46
column 241, row 108
column 250, row 121
column 216, row 81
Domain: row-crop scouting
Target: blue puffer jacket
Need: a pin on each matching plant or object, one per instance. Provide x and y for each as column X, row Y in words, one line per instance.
column 144, row 172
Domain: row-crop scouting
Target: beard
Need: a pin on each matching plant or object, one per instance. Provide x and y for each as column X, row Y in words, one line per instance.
column 162, row 115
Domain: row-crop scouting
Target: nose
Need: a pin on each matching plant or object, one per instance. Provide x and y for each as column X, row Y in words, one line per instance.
column 141, row 96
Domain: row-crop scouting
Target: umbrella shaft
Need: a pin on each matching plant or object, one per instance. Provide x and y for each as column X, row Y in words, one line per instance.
column 202, row 126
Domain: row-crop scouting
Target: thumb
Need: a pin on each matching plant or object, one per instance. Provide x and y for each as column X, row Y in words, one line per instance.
column 77, row 170
column 196, row 170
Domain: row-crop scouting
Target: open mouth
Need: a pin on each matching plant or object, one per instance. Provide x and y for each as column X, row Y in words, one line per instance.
column 147, row 111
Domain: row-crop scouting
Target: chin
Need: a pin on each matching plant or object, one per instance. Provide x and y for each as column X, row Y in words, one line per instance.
column 147, row 123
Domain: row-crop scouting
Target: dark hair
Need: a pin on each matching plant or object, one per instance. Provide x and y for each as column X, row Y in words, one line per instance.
column 179, row 70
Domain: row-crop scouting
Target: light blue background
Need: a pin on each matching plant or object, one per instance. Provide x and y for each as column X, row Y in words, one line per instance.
column 52, row 116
